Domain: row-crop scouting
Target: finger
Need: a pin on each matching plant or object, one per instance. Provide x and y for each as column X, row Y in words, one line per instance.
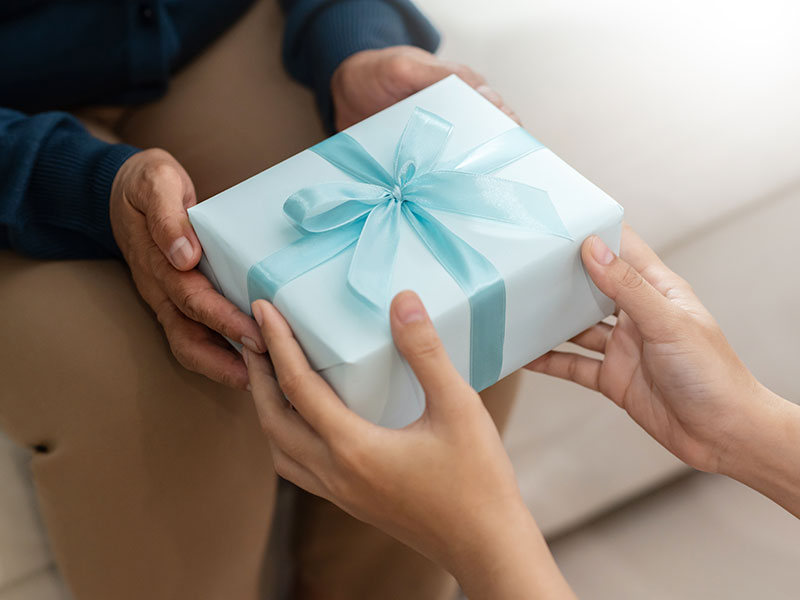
column 595, row 338
column 285, row 427
column 472, row 78
column 291, row 470
column 641, row 257
column 496, row 99
column 307, row 391
column 490, row 95
column 431, row 69
column 652, row 313
column 162, row 196
column 194, row 295
column 514, row 116
column 580, row 369
column 201, row 350
column 417, row 340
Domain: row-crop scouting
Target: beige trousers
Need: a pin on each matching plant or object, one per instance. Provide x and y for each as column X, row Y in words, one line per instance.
column 153, row 482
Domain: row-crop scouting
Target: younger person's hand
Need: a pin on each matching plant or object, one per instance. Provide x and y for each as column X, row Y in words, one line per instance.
column 665, row 361
column 443, row 485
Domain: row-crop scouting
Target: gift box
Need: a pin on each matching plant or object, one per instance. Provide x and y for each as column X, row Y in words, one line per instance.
column 441, row 193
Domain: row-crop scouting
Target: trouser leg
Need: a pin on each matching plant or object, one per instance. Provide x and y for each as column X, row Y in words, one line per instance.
column 153, row 482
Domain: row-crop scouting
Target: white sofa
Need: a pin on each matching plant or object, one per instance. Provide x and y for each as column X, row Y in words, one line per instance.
column 685, row 112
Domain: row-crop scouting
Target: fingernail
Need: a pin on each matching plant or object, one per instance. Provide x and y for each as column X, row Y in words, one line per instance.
column 601, row 252
column 257, row 314
column 250, row 344
column 180, row 255
column 484, row 89
column 246, row 357
column 249, row 388
column 409, row 309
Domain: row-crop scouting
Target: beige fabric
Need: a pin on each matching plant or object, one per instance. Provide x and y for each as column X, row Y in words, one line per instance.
column 702, row 537
column 23, row 549
column 154, row 482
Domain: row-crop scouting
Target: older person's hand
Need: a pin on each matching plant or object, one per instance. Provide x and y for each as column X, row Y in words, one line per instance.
column 371, row 80
column 148, row 203
column 443, row 485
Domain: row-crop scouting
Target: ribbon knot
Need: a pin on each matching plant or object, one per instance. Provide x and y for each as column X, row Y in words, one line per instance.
column 366, row 212
column 397, row 194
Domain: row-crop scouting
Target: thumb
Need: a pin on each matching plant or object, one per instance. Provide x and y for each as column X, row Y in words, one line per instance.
column 164, row 202
column 417, row 340
column 651, row 312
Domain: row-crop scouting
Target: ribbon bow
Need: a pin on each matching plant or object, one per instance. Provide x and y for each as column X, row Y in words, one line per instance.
column 367, row 212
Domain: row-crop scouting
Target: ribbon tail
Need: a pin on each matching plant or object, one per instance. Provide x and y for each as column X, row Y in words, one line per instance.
column 483, row 285
column 265, row 278
column 370, row 274
column 498, row 152
column 488, row 197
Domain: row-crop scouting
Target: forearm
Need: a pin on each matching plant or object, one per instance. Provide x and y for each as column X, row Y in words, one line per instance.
column 511, row 563
column 55, row 180
column 320, row 34
column 764, row 450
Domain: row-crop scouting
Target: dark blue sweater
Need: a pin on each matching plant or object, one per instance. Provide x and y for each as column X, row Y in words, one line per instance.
column 55, row 178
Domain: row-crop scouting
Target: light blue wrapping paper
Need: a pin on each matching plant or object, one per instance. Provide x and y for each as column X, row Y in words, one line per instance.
column 548, row 297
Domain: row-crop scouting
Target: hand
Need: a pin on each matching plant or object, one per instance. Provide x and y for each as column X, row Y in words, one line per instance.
column 371, row 80
column 443, row 485
column 148, row 203
column 666, row 361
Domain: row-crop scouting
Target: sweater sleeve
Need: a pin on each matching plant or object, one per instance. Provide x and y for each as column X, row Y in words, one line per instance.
column 55, row 182
column 320, row 34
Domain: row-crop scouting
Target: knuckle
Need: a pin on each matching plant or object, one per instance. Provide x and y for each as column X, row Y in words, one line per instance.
column 462, row 71
column 291, row 383
column 161, row 169
column 467, row 74
column 631, row 280
column 572, row 368
column 399, row 68
column 228, row 379
column 160, row 223
column 192, row 302
column 281, row 464
column 684, row 285
column 182, row 354
column 427, row 345
column 165, row 313
column 265, row 422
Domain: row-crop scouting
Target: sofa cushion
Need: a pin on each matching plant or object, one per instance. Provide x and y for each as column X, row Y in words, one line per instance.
column 23, row 545
column 683, row 112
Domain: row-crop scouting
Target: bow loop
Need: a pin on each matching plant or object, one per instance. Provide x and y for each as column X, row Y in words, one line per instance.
column 330, row 205
column 346, row 154
column 421, row 144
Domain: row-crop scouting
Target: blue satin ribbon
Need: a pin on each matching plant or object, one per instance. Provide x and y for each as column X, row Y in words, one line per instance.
column 367, row 211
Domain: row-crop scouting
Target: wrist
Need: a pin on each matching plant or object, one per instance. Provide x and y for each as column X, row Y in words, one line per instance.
column 510, row 559
column 763, row 450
